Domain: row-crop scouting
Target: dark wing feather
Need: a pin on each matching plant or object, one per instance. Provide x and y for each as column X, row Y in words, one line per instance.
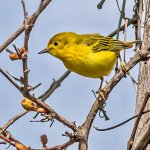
column 100, row 43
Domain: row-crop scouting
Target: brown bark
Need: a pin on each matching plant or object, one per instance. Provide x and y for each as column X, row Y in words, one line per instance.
column 142, row 134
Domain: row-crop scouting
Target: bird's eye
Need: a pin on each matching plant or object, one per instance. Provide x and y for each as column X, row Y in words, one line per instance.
column 56, row 43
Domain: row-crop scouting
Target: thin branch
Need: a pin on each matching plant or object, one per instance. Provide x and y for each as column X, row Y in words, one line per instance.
column 138, row 12
column 147, row 95
column 54, row 86
column 108, row 88
column 54, row 114
column 120, row 124
column 118, row 6
column 3, row 143
column 121, row 28
column 28, row 28
column 16, row 79
column 34, row 87
column 7, row 140
column 22, row 27
column 100, row 5
column 63, row 146
column 122, row 15
column 11, row 121
column 9, row 79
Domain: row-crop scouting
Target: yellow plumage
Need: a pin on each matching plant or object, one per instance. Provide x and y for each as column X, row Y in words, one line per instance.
column 90, row 55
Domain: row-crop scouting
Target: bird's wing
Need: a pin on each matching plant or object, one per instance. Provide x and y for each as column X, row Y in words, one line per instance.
column 100, row 43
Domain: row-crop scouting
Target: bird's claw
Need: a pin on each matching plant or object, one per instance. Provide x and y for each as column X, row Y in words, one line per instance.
column 101, row 93
column 123, row 67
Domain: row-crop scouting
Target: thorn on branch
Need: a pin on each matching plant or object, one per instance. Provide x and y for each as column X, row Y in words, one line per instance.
column 17, row 79
column 9, row 51
column 70, row 135
column 16, row 49
column 3, row 143
column 48, row 117
column 30, row 88
column 100, row 5
column 118, row 6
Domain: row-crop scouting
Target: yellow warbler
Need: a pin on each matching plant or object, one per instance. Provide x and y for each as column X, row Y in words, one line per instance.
column 90, row 55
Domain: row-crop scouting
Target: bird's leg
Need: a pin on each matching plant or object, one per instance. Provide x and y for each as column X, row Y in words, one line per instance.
column 101, row 91
column 122, row 64
column 125, row 70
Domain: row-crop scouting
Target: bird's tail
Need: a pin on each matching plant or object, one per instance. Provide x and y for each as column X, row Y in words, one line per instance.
column 130, row 44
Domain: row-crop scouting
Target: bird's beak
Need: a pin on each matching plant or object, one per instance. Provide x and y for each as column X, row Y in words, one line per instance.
column 43, row 51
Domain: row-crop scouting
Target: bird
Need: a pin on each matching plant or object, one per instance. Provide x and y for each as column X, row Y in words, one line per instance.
column 89, row 55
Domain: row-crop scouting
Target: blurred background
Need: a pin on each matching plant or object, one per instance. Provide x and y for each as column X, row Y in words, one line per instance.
column 74, row 98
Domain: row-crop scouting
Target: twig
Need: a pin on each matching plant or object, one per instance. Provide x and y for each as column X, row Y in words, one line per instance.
column 147, row 95
column 3, row 143
column 118, row 6
column 19, row 80
column 9, row 79
column 11, row 121
column 16, row 49
column 7, row 140
column 133, row 80
column 120, row 124
column 125, row 35
column 54, row 86
column 122, row 15
column 9, row 51
column 100, row 5
column 55, row 115
column 138, row 12
column 108, row 88
column 124, row 55
column 121, row 28
column 63, row 146
column 22, row 27
column 28, row 28
column 34, row 87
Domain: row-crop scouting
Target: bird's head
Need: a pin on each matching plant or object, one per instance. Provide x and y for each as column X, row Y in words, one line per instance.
column 57, row 45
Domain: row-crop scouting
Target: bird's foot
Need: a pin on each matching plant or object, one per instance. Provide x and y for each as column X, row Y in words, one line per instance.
column 123, row 67
column 101, row 93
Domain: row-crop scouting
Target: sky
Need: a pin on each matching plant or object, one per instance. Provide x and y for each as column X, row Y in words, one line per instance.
column 74, row 98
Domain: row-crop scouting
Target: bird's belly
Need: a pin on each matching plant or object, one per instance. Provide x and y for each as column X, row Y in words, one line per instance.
column 96, row 65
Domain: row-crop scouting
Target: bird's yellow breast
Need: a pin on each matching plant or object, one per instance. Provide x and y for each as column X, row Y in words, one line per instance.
column 85, row 62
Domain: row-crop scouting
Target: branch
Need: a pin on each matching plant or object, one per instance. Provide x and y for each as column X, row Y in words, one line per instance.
column 144, row 141
column 9, row 79
column 147, row 95
column 7, row 140
column 54, row 114
column 11, row 121
column 32, row 19
column 121, row 28
column 108, row 88
column 122, row 15
column 28, row 28
column 63, row 146
column 54, row 86
column 120, row 124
